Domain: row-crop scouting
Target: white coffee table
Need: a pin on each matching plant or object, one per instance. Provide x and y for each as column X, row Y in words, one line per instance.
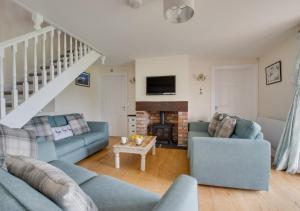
column 131, row 147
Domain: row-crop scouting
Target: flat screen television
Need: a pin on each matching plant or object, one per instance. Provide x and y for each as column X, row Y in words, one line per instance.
column 161, row 85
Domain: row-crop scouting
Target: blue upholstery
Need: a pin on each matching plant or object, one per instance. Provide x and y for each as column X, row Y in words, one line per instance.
column 173, row 199
column 92, row 137
column 60, row 120
column 110, row 194
column 46, row 150
column 236, row 162
column 246, row 129
column 51, row 121
column 27, row 197
column 78, row 174
column 69, row 144
column 74, row 156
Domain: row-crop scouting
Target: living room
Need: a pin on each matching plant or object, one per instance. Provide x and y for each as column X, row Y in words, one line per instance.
column 191, row 110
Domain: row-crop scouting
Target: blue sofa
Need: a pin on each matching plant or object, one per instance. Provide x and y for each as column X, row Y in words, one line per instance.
column 109, row 194
column 75, row 148
column 242, row 161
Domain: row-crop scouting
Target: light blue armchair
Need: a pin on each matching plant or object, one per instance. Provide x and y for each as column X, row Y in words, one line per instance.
column 242, row 161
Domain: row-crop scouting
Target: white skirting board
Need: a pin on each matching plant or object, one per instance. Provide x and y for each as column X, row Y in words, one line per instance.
column 272, row 130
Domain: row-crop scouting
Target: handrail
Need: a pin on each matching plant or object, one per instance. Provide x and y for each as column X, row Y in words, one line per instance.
column 24, row 37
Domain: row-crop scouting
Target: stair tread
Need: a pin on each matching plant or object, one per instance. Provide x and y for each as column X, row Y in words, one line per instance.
column 20, row 92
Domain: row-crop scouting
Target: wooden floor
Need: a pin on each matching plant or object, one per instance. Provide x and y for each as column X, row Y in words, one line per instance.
column 167, row 164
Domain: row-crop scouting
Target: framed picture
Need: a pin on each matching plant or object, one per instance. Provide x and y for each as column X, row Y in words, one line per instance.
column 83, row 79
column 273, row 73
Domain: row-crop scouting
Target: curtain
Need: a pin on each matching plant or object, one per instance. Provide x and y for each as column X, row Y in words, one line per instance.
column 288, row 152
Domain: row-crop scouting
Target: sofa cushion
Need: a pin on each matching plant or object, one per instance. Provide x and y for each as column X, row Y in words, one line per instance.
column 51, row 121
column 60, row 120
column 23, row 194
column 226, row 127
column 77, row 123
column 52, row 182
column 40, row 126
column 110, row 194
column 46, row 150
column 62, row 132
column 68, row 145
column 215, row 122
column 92, row 137
column 198, row 134
column 246, row 129
column 16, row 142
column 78, row 174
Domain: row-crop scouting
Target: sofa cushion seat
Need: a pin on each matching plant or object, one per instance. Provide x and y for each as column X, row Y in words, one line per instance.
column 69, row 144
column 92, row 137
column 198, row 134
column 110, row 194
column 79, row 175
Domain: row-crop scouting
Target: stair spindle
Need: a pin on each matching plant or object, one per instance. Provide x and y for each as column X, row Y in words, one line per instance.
column 44, row 60
column 76, row 51
column 25, row 84
column 80, row 50
column 58, row 52
column 2, row 99
column 35, row 77
column 65, row 52
column 85, row 49
column 51, row 55
column 71, row 51
column 14, row 79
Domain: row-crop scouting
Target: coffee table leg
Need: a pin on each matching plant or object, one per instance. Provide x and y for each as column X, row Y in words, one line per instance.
column 153, row 150
column 143, row 162
column 117, row 160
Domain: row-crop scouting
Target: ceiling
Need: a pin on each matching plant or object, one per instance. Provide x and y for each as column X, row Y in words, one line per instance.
column 219, row 29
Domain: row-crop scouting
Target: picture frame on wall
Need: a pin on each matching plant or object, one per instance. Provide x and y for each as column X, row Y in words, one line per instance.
column 83, row 80
column 273, row 73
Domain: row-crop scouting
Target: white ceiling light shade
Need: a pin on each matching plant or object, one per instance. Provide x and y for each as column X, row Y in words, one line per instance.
column 179, row 11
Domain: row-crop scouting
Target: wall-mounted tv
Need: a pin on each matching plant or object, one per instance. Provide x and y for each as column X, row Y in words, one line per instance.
column 161, row 85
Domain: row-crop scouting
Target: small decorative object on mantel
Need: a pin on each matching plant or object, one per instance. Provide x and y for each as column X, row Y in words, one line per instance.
column 200, row 77
column 132, row 80
column 273, row 73
column 83, row 79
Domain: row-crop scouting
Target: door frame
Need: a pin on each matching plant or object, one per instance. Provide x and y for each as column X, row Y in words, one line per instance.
column 224, row 67
column 102, row 76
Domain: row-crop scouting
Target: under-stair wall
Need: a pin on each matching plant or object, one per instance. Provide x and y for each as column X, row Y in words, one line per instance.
column 35, row 68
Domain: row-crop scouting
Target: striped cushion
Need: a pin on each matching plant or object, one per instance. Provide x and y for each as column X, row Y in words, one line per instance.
column 16, row 142
column 216, row 120
column 40, row 126
column 226, row 128
column 78, row 124
column 52, row 182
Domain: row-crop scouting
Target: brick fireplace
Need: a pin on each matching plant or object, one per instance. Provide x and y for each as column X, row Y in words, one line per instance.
column 175, row 116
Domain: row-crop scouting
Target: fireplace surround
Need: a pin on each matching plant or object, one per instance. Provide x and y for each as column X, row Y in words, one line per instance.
column 167, row 120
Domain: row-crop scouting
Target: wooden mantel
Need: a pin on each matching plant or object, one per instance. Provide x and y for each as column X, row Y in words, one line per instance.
column 162, row 106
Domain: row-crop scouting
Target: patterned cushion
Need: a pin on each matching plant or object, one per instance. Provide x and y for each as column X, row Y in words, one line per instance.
column 16, row 142
column 78, row 124
column 216, row 120
column 62, row 132
column 40, row 126
column 226, row 127
column 52, row 182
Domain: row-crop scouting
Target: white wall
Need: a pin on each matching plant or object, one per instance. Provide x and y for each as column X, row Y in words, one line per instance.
column 275, row 99
column 173, row 65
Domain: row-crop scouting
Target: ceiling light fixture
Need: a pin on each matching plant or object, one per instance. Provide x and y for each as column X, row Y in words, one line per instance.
column 179, row 11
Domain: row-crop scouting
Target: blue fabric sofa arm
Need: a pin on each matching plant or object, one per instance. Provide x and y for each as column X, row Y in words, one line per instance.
column 172, row 200
column 237, row 163
column 198, row 126
column 98, row 126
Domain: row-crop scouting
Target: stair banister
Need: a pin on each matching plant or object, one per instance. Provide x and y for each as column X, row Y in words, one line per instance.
column 25, row 84
column 58, row 52
column 51, row 54
column 35, row 77
column 2, row 99
column 65, row 52
column 71, row 51
column 76, row 51
column 14, row 79
column 44, row 77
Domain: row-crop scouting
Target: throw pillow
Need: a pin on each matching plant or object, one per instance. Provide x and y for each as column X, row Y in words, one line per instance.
column 226, row 128
column 77, row 123
column 40, row 126
column 16, row 142
column 62, row 132
column 52, row 182
column 216, row 120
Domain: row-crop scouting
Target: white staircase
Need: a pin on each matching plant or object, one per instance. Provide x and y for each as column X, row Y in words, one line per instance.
column 41, row 64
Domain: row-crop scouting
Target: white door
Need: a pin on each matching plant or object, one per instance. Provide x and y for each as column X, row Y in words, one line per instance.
column 113, row 90
column 235, row 90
